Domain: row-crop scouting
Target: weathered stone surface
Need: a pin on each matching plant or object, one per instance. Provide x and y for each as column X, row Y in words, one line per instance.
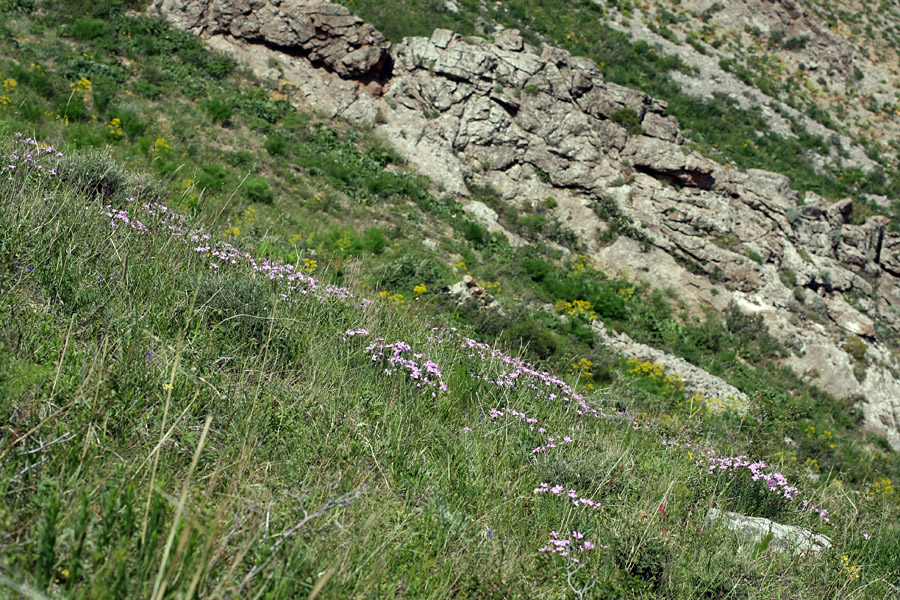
column 468, row 291
column 322, row 32
column 784, row 537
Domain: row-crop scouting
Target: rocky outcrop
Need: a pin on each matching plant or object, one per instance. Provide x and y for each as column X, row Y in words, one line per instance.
column 323, row 33
column 468, row 291
column 783, row 537
column 530, row 125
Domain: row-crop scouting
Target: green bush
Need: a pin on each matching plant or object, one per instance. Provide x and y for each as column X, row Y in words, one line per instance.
column 219, row 110
column 534, row 339
column 132, row 125
column 258, row 190
column 88, row 28
column 856, row 348
column 474, row 232
column 211, row 177
column 408, row 271
column 374, row 240
column 629, row 118
column 275, row 145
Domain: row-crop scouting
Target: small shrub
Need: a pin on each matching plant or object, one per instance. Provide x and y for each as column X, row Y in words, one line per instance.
column 220, row 67
column 374, row 240
column 856, row 348
column 474, row 231
column 211, row 177
column 258, row 190
column 88, row 28
column 629, row 118
column 788, row 278
column 531, row 224
column 130, row 122
column 218, row 110
column 860, row 213
column 533, row 338
column 275, row 145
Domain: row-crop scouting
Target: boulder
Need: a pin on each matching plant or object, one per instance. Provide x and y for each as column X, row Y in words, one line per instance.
column 783, row 537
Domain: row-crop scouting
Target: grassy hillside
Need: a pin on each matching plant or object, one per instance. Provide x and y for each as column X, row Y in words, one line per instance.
column 184, row 417
column 204, row 416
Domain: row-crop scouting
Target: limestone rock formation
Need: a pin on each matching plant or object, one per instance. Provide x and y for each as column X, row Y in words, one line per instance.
column 321, row 32
column 784, row 537
column 469, row 291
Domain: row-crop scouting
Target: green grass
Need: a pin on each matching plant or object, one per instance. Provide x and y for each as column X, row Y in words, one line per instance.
column 172, row 428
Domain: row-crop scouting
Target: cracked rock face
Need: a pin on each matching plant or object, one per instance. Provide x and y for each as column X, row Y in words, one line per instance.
column 534, row 126
column 321, row 32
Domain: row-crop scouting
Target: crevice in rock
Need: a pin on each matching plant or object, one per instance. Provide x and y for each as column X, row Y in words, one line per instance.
column 381, row 73
column 680, row 178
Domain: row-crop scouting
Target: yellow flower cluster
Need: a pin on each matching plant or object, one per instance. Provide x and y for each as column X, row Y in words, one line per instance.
column 161, row 145
column 656, row 372
column 246, row 218
column 115, row 128
column 82, row 87
column 420, row 289
column 882, row 488
column 345, row 242
column 851, row 569
column 309, row 265
column 716, row 406
column 786, row 455
column 580, row 265
column 398, row 298
column 298, row 237
column 186, row 186
column 9, row 86
column 493, row 287
column 812, row 433
column 578, row 308
column 626, row 293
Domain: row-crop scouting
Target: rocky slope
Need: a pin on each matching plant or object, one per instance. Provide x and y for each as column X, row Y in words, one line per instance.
column 788, row 57
column 534, row 126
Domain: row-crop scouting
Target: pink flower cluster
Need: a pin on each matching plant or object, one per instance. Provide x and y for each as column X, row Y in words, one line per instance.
column 355, row 332
column 522, row 373
column 28, row 158
column 118, row 216
column 572, row 495
column 399, row 356
column 494, row 414
column 775, row 481
column 572, row 547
